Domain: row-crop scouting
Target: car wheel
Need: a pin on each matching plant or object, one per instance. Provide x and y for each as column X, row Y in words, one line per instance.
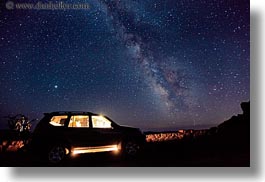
column 56, row 154
column 131, row 148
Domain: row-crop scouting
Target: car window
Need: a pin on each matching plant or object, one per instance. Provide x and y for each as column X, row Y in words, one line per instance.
column 100, row 122
column 79, row 121
column 58, row 120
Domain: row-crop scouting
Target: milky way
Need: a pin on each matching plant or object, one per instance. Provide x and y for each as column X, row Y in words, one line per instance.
column 171, row 82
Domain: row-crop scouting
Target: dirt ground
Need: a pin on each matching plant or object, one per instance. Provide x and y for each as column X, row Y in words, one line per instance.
column 154, row 154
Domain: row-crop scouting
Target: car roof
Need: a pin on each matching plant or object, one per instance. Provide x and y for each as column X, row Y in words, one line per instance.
column 75, row 113
column 70, row 112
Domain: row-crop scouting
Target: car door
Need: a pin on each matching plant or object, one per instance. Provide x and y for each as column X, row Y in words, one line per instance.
column 79, row 131
column 104, row 132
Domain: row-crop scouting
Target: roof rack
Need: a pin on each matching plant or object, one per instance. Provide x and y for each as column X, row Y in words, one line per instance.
column 69, row 112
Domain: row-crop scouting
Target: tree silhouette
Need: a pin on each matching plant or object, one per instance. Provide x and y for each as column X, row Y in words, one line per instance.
column 21, row 124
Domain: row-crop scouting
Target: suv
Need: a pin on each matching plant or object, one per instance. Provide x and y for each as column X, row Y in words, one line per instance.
column 62, row 134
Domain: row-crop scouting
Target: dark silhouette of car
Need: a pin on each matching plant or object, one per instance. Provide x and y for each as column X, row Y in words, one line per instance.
column 62, row 134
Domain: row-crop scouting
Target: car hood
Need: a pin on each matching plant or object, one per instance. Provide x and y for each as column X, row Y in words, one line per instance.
column 131, row 129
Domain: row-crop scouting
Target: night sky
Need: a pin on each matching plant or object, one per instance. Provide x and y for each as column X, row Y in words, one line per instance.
column 152, row 64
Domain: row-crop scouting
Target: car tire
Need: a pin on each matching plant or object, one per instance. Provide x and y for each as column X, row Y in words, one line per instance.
column 131, row 148
column 57, row 154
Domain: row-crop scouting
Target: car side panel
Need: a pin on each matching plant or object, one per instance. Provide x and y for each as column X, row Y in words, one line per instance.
column 107, row 136
column 81, row 137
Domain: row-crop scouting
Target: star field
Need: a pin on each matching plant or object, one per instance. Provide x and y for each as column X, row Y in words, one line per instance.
column 151, row 64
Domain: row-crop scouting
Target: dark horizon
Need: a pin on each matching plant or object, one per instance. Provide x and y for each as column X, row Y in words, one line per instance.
column 4, row 124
